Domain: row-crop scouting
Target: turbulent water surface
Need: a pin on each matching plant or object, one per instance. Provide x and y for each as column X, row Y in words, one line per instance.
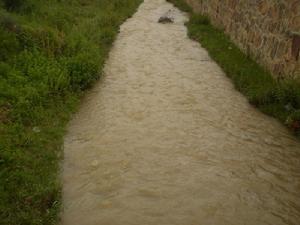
column 164, row 139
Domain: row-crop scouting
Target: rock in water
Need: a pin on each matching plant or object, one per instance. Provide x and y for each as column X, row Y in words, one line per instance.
column 166, row 19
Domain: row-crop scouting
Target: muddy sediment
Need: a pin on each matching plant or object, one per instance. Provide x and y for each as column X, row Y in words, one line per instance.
column 165, row 139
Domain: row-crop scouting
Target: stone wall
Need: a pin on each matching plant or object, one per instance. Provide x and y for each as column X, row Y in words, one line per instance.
column 268, row 30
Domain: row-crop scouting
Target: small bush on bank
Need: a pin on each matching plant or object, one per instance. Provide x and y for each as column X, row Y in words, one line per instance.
column 8, row 45
column 18, row 5
column 13, row 4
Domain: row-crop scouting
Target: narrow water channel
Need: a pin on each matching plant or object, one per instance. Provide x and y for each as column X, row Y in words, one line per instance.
column 165, row 139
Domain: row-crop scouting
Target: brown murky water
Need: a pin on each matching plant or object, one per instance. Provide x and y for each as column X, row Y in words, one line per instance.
column 164, row 139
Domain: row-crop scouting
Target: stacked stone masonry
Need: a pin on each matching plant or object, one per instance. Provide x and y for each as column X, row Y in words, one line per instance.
column 268, row 30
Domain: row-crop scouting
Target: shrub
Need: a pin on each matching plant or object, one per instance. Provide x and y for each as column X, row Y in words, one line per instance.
column 44, row 38
column 9, row 24
column 8, row 44
column 13, row 4
column 199, row 19
column 83, row 69
column 18, row 5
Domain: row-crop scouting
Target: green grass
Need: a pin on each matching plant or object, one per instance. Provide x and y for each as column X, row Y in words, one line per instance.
column 278, row 98
column 50, row 52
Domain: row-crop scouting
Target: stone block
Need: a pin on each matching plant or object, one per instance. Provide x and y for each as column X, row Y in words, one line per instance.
column 260, row 27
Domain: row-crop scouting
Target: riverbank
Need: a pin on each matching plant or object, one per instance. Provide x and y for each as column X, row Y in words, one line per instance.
column 277, row 98
column 50, row 52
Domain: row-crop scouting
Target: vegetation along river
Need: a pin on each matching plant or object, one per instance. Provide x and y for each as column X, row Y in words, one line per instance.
column 165, row 139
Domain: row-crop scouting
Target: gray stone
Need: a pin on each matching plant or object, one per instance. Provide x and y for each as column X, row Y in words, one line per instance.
column 166, row 19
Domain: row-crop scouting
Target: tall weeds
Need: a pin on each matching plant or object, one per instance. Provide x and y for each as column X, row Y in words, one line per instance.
column 50, row 51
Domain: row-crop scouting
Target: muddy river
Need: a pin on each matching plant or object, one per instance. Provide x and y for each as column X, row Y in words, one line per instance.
column 165, row 139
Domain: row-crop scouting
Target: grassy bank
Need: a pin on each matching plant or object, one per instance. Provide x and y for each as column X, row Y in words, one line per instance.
column 50, row 51
column 280, row 99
